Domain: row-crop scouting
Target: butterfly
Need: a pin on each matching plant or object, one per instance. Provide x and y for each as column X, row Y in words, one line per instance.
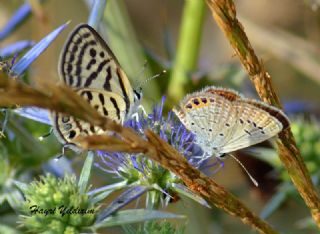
column 90, row 68
column 224, row 121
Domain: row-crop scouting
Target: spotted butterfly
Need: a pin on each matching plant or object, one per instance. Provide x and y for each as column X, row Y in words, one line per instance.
column 224, row 121
column 90, row 68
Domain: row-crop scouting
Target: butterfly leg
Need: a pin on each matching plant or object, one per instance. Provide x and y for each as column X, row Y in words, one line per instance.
column 221, row 165
column 45, row 135
column 63, row 151
column 135, row 116
column 143, row 110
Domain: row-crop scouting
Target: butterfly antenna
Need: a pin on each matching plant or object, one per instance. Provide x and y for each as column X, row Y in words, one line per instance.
column 41, row 138
column 142, row 70
column 250, row 176
column 142, row 83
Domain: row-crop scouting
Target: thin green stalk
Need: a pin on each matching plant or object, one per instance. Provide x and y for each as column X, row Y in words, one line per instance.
column 188, row 47
column 153, row 200
column 124, row 43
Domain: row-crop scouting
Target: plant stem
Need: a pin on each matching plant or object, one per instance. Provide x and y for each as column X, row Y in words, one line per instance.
column 224, row 13
column 124, row 43
column 188, row 48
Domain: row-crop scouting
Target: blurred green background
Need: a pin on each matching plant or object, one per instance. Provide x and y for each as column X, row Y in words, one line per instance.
column 285, row 35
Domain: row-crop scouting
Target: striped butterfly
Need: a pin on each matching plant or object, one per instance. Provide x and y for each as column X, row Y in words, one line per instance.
column 88, row 66
column 224, row 121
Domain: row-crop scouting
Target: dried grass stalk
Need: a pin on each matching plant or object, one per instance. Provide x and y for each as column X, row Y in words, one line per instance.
column 224, row 13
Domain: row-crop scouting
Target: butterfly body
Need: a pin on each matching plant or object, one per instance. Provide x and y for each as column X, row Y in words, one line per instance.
column 91, row 69
column 224, row 121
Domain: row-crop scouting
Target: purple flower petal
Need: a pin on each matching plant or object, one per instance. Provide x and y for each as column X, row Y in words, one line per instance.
column 15, row 20
column 36, row 50
column 34, row 113
column 14, row 48
column 96, row 13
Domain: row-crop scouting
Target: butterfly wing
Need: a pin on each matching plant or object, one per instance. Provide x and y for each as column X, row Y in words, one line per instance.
column 88, row 66
column 224, row 121
column 108, row 104
column 87, row 62
column 209, row 116
column 256, row 122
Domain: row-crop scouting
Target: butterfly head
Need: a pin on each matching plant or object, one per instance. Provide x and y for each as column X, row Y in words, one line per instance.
column 137, row 95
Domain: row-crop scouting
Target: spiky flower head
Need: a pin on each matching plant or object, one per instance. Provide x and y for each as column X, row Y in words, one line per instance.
column 56, row 206
column 307, row 135
column 138, row 169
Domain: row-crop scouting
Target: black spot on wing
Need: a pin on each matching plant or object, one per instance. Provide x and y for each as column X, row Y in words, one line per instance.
column 92, row 129
column 92, row 77
column 88, row 94
column 72, row 134
column 93, row 52
column 69, row 68
column 92, row 62
column 106, row 85
column 123, row 90
column 115, row 105
column 79, row 64
column 105, row 112
column 101, row 98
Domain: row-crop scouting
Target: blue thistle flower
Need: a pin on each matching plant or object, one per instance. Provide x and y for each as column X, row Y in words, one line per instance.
column 138, row 170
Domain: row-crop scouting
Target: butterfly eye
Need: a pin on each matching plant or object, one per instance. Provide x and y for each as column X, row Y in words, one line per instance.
column 137, row 94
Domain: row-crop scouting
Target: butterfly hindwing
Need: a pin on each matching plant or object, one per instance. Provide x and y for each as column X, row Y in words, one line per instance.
column 202, row 114
column 108, row 104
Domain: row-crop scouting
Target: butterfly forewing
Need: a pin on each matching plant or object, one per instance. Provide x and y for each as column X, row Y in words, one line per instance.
column 87, row 62
column 253, row 126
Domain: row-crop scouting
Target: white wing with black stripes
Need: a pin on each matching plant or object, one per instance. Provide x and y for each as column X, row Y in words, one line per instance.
column 88, row 66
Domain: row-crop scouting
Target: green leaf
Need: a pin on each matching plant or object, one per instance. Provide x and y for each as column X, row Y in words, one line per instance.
column 99, row 194
column 22, row 186
column 134, row 216
column 14, row 198
column 267, row 155
column 273, row 204
column 8, row 230
column 122, row 200
column 85, row 173
column 179, row 188
column 100, row 197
